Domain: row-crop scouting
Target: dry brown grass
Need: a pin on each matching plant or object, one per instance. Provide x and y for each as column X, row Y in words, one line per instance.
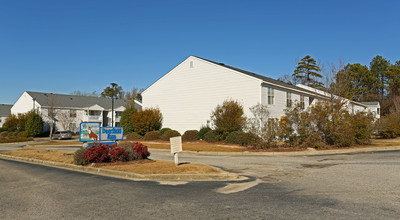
column 196, row 146
column 139, row 166
column 42, row 154
column 56, row 143
column 158, row 167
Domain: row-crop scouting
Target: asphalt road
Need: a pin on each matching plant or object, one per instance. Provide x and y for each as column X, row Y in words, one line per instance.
column 356, row 186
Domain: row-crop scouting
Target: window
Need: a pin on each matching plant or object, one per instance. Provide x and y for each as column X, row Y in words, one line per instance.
column 72, row 113
column 378, row 110
column 270, row 96
column 302, row 104
column 310, row 100
column 288, row 99
column 94, row 113
column 118, row 114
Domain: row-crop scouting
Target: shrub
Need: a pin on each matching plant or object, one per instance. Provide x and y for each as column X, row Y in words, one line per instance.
column 169, row 134
column 78, row 156
column 134, row 136
column 126, row 120
column 34, row 124
column 118, row 154
column 211, row 136
column 228, row 117
column 132, row 154
column 141, row 150
column 147, row 120
column 23, row 134
column 238, row 137
column 203, row 131
column 388, row 126
column 11, row 123
column 152, row 135
column 97, row 154
column 191, row 135
column 162, row 131
column 362, row 126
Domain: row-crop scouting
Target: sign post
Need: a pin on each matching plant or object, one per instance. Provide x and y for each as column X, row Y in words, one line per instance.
column 176, row 146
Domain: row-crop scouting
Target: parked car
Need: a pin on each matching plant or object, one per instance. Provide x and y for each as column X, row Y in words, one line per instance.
column 62, row 135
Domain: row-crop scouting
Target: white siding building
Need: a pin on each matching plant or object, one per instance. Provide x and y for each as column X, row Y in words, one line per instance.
column 188, row 93
column 5, row 111
column 71, row 110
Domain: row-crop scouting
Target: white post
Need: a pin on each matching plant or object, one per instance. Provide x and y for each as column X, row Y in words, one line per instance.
column 176, row 159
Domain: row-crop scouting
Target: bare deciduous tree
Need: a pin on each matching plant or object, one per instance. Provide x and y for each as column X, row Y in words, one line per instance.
column 65, row 119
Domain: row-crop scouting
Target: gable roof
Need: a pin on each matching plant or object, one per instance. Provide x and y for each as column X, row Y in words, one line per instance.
column 263, row 78
column 5, row 110
column 74, row 101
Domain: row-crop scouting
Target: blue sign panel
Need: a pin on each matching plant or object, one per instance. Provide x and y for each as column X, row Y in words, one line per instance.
column 111, row 133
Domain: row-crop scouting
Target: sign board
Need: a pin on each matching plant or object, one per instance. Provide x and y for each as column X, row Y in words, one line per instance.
column 89, row 131
column 176, row 144
column 111, row 133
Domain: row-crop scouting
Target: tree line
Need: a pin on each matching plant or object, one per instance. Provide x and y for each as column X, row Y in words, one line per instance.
column 380, row 81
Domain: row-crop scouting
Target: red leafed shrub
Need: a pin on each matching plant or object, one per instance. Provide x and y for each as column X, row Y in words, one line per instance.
column 141, row 149
column 97, row 154
column 118, row 154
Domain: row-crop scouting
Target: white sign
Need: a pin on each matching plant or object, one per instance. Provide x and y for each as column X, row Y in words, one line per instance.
column 176, row 144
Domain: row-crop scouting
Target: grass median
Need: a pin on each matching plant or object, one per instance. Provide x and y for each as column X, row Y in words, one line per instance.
column 139, row 166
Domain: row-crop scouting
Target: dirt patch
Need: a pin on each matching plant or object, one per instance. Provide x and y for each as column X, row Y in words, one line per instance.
column 139, row 166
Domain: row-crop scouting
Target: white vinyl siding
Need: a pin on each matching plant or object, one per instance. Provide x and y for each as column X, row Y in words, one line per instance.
column 187, row 96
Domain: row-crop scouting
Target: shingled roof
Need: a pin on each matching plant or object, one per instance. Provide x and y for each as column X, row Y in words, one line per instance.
column 5, row 110
column 263, row 78
column 74, row 101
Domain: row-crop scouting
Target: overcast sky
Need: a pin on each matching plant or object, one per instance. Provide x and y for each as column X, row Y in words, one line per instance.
column 66, row 45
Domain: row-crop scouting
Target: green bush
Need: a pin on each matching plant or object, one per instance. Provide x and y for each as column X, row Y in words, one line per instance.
column 147, row 120
column 78, row 156
column 362, row 127
column 126, row 120
column 169, row 134
column 134, row 136
column 162, row 131
column 228, row 117
column 34, row 124
column 152, row 135
column 238, row 137
column 203, row 131
column 11, row 123
column 388, row 126
column 191, row 135
column 211, row 136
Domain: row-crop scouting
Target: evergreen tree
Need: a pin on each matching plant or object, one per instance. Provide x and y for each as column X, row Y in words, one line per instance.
column 308, row 72
column 126, row 120
column 34, row 124
column 379, row 68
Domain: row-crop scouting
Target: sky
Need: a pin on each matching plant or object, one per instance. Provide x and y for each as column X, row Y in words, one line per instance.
column 67, row 45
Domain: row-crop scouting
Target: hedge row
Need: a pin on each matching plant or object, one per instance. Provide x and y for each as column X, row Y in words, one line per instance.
column 103, row 153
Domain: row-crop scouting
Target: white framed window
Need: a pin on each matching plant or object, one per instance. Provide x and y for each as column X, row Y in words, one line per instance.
column 288, row 99
column 271, row 97
column 302, row 104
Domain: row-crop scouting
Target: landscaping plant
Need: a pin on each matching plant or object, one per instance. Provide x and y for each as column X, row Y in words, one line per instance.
column 147, row 120
column 228, row 117
column 191, row 135
column 169, row 134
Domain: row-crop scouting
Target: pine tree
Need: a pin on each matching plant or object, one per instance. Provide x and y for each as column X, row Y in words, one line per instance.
column 308, row 72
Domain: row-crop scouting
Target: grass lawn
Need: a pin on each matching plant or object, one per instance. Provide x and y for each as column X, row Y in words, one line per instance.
column 139, row 166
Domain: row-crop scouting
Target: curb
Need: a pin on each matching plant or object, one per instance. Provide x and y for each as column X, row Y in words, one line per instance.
column 293, row 153
column 225, row 176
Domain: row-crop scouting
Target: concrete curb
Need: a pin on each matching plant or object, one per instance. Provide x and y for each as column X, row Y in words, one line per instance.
column 225, row 176
column 293, row 153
